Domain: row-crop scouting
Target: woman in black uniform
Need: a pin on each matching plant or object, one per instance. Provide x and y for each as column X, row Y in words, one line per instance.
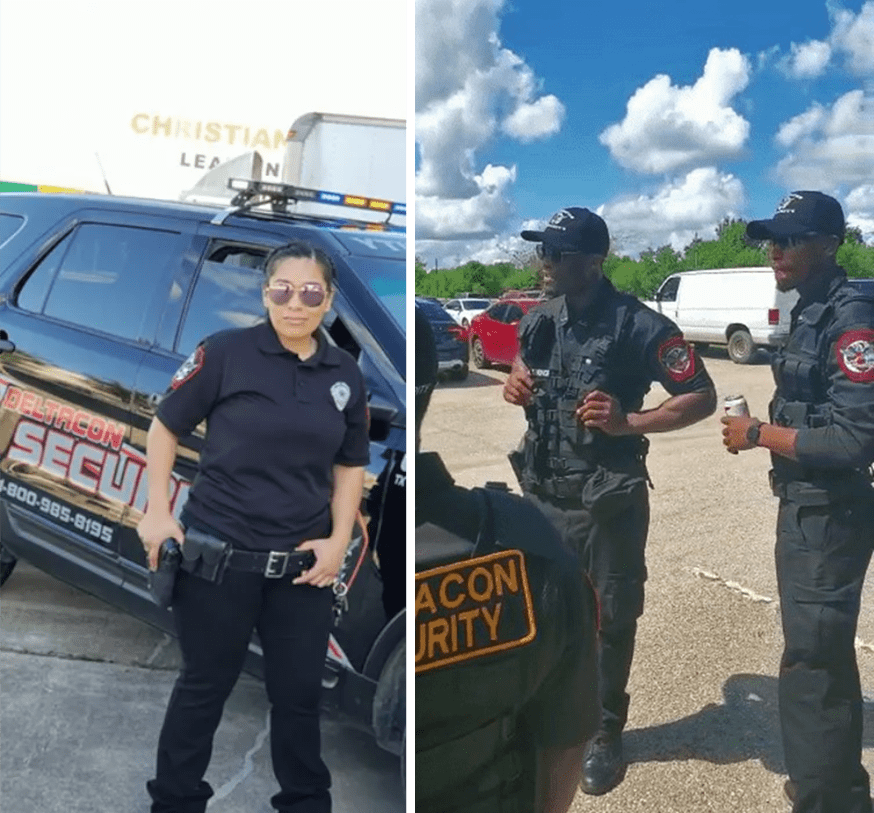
column 281, row 472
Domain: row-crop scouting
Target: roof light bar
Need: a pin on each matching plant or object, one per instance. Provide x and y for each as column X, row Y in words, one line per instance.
column 288, row 192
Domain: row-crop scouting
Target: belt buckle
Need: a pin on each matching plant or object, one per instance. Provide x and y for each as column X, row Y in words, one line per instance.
column 276, row 559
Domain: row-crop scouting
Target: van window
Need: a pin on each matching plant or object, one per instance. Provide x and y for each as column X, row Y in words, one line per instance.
column 102, row 277
column 668, row 291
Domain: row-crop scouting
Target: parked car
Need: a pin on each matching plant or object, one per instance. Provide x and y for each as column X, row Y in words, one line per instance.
column 101, row 300
column 452, row 354
column 866, row 286
column 739, row 307
column 463, row 310
column 493, row 334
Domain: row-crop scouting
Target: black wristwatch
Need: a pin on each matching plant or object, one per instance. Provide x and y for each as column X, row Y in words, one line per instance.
column 753, row 433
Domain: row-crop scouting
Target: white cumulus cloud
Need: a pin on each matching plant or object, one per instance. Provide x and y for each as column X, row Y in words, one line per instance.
column 829, row 147
column 854, row 36
column 859, row 209
column 807, row 60
column 668, row 128
column 676, row 213
column 469, row 91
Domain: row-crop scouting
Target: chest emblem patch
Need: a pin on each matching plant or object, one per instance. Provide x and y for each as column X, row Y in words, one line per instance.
column 190, row 368
column 677, row 358
column 472, row 608
column 855, row 352
column 341, row 393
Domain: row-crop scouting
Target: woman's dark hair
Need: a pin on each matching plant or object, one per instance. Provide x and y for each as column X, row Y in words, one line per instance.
column 298, row 249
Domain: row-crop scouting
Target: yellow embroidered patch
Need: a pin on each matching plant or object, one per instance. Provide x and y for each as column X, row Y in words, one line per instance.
column 472, row 608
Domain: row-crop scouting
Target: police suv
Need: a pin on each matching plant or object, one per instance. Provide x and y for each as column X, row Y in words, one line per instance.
column 101, row 301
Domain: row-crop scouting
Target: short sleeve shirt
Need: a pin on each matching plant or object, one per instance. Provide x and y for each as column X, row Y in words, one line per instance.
column 646, row 347
column 276, row 427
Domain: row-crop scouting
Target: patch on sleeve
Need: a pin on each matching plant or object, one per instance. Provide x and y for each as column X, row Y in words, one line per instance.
column 341, row 393
column 855, row 352
column 472, row 608
column 190, row 368
column 676, row 356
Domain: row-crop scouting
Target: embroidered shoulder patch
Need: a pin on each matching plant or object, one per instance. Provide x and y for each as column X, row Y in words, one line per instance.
column 855, row 352
column 676, row 356
column 341, row 393
column 472, row 608
column 190, row 368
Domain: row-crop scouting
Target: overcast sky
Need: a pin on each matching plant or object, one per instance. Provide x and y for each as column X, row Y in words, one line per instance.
column 665, row 118
column 139, row 83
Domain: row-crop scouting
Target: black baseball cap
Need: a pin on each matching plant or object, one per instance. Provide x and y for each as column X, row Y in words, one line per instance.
column 573, row 229
column 800, row 214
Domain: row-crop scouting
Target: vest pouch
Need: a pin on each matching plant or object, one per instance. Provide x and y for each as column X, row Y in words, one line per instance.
column 605, row 493
column 205, row 555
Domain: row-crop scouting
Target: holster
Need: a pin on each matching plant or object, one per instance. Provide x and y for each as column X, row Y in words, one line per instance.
column 205, row 555
column 162, row 580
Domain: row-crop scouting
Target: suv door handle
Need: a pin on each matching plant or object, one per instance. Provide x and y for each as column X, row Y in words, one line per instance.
column 6, row 346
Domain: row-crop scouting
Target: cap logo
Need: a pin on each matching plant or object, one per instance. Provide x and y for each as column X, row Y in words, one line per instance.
column 787, row 204
column 340, row 392
column 559, row 217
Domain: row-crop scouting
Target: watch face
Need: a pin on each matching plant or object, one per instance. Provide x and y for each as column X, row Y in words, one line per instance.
column 753, row 432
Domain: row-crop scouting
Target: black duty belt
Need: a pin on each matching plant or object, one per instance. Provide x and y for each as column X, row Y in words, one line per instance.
column 272, row 564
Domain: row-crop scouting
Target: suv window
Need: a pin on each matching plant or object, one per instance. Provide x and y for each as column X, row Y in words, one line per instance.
column 227, row 294
column 101, row 277
column 9, row 224
column 433, row 311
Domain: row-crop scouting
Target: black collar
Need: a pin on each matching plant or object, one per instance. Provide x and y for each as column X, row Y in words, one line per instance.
column 268, row 342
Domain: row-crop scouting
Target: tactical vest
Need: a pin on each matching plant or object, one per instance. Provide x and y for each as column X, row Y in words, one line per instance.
column 557, row 453
column 801, row 375
column 494, row 753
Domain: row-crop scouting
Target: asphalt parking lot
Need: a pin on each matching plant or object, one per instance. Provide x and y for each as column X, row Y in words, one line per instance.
column 703, row 731
column 84, row 689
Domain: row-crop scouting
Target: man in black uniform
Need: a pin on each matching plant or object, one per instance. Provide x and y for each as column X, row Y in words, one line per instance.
column 506, row 656
column 587, row 359
column 821, row 439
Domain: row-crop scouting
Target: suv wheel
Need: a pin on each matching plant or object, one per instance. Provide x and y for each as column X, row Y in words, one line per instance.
column 740, row 347
column 479, row 357
column 7, row 564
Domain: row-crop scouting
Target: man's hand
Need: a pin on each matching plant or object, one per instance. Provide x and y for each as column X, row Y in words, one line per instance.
column 598, row 410
column 519, row 387
column 734, row 433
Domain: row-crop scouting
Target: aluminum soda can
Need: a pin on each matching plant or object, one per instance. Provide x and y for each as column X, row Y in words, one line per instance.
column 736, row 405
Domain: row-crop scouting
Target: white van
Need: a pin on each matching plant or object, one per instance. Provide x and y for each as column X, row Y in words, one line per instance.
column 740, row 307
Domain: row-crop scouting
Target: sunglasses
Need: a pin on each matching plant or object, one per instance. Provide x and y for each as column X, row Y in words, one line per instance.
column 553, row 255
column 311, row 294
column 791, row 242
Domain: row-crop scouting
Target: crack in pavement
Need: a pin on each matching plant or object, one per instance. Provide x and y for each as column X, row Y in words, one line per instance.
column 736, row 587
column 248, row 765
column 65, row 656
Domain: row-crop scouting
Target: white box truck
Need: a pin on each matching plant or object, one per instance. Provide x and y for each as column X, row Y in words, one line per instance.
column 358, row 162
column 738, row 307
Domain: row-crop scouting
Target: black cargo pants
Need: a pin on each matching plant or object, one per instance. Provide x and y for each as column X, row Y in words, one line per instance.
column 215, row 623
column 611, row 545
column 822, row 554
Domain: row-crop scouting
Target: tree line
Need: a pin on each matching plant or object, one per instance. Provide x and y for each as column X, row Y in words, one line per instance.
column 641, row 276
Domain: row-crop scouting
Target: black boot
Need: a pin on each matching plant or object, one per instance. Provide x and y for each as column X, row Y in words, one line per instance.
column 603, row 765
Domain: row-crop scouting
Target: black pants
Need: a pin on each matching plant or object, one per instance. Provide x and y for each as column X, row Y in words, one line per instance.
column 215, row 623
column 611, row 549
column 822, row 554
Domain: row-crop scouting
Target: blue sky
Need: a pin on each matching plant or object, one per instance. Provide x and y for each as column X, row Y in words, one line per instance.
column 665, row 118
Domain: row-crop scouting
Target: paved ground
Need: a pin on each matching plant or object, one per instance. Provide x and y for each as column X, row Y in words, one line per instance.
column 84, row 689
column 703, row 732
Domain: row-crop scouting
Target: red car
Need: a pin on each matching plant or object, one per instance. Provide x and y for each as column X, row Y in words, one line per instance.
column 493, row 334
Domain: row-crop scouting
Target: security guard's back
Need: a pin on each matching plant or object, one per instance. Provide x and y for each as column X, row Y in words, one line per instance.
column 506, row 658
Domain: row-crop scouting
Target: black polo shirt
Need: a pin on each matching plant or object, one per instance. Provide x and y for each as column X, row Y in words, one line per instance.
column 276, row 426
